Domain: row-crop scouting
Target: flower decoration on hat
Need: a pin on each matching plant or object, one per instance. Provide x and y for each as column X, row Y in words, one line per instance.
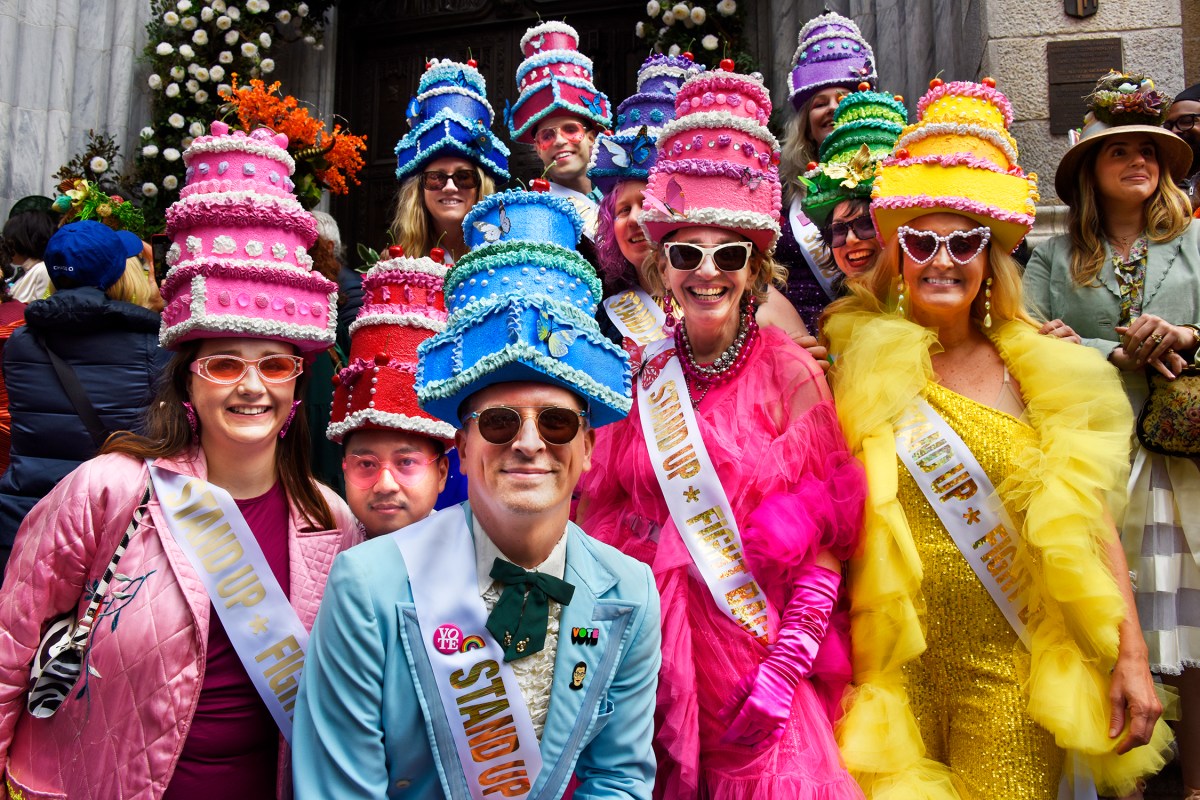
column 717, row 162
column 832, row 53
column 555, row 78
column 450, row 116
column 958, row 158
column 866, row 125
column 522, row 307
column 629, row 152
column 82, row 199
column 239, row 254
column 1128, row 99
column 403, row 306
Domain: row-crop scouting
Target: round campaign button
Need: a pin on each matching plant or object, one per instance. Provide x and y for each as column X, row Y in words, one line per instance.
column 447, row 639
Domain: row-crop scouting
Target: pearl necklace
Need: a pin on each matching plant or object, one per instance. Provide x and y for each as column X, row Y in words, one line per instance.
column 702, row 377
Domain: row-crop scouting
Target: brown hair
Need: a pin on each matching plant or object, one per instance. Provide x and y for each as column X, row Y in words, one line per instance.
column 764, row 270
column 1168, row 214
column 875, row 289
column 168, row 434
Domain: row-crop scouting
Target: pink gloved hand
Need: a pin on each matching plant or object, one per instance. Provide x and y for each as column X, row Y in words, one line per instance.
column 763, row 699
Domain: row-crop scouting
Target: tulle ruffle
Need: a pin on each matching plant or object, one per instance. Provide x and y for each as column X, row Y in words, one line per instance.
column 1062, row 488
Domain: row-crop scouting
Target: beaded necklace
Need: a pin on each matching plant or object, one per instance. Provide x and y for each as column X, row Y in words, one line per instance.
column 702, row 377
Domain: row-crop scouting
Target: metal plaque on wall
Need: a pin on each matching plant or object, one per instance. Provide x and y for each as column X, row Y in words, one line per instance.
column 1080, row 8
column 1072, row 69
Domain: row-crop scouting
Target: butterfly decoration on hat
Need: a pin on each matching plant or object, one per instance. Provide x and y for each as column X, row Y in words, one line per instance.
column 675, row 205
column 492, row 233
column 558, row 340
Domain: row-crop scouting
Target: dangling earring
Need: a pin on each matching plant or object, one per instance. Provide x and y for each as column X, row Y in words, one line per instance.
column 287, row 423
column 193, row 422
column 900, row 297
column 987, row 304
column 668, row 307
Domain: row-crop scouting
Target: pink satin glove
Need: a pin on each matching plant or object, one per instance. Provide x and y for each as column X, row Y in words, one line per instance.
column 762, row 700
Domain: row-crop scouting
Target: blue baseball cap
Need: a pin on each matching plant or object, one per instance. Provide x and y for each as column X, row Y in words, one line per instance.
column 89, row 253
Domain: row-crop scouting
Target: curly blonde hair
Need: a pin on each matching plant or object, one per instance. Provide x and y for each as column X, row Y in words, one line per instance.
column 412, row 226
column 1168, row 214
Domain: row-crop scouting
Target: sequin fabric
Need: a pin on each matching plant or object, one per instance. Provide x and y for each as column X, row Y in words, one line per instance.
column 965, row 689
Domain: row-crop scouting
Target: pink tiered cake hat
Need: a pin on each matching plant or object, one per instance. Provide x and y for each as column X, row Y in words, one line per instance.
column 717, row 162
column 239, row 258
column 555, row 78
column 403, row 307
column 959, row 158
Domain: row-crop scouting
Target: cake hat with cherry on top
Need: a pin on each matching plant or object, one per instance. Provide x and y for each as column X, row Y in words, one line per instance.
column 239, row 254
column 717, row 162
column 958, row 158
column 403, row 306
column 450, row 116
column 629, row 152
column 832, row 53
column 866, row 125
column 555, row 78
column 522, row 307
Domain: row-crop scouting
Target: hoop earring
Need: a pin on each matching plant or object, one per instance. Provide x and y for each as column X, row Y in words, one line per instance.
column 900, row 297
column 287, row 423
column 193, row 420
column 987, row 304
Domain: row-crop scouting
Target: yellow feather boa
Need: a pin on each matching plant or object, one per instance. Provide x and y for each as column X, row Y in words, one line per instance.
column 1061, row 487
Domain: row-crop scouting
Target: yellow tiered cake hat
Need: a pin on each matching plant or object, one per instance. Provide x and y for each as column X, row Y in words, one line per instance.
column 958, row 158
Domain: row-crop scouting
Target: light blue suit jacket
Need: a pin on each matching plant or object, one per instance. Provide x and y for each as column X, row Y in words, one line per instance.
column 369, row 723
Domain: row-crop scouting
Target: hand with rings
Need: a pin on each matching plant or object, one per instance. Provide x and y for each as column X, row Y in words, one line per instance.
column 1060, row 330
column 1148, row 339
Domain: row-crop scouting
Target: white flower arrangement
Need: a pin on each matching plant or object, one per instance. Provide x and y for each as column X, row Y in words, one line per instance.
column 171, row 154
column 186, row 143
column 155, row 81
column 146, row 132
column 674, row 51
column 184, row 5
column 699, row 15
column 149, row 189
column 177, row 73
column 170, row 182
column 310, row 40
column 200, row 37
column 653, row 8
column 201, row 74
column 192, row 86
column 206, row 14
column 150, row 151
column 252, row 6
column 176, row 120
column 191, row 70
column 668, row 18
column 249, row 49
column 171, row 18
column 201, row 98
column 164, row 49
column 264, row 39
column 216, row 72
column 224, row 22
column 224, row 88
column 231, row 38
column 187, row 52
column 218, row 6
column 710, row 42
column 98, row 165
column 681, row 11
column 189, row 23
column 640, row 30
column 283, row 16
column 267, row 65
column 196, row 129
column 234, row 13
column 225, row 57
column 172, row 90
column 727, row 8
column 302, row 9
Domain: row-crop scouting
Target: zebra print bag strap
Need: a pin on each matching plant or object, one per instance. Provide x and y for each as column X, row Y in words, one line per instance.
column 58, row 662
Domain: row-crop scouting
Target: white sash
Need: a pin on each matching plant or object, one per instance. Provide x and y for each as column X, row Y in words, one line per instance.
column 962, row 496
column 636, row 316
column 812, row 247
column 696, row 499
column 483, row 702
column 586, row 206
column 266, row 634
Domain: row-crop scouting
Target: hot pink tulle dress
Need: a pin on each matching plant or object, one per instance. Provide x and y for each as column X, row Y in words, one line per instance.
column 773, row 437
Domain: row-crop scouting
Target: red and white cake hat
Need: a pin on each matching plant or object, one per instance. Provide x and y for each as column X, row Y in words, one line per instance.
column 555, row 78
column 717, row 162
column 239, row 258
column 403, row 306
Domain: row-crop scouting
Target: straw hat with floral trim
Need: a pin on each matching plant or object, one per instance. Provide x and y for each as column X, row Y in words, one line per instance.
column 1122, row 104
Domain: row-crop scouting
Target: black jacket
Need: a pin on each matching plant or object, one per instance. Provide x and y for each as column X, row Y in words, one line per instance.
column 113, row 349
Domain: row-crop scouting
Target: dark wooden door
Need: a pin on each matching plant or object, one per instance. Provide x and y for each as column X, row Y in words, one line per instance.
column 382, row 49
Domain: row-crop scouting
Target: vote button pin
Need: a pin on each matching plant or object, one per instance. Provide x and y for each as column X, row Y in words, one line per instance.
column 447, row 639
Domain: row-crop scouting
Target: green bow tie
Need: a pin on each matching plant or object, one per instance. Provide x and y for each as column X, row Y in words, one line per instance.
column 520, row 617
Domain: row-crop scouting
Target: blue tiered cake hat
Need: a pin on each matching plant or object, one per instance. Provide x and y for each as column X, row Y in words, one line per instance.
column 522, row 306
column 450, row 116
column 629, row 153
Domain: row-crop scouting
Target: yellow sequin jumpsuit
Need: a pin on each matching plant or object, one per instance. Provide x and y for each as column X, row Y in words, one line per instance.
column 965, row 689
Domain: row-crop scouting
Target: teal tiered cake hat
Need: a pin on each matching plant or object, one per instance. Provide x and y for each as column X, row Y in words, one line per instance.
column 521, row 308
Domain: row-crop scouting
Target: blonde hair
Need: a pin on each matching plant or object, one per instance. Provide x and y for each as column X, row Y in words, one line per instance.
column 764, row 271
column 412, row 225
column 795, row 151
column 1168, row 214
column 136, row 286
column 875, row 289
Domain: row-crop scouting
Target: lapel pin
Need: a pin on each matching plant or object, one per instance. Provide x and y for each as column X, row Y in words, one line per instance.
column 585, row 636
column 577, row 676
column 447, row 639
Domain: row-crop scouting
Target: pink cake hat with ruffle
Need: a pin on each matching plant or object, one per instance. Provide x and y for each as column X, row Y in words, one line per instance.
column 717, row 162
column 958, row 158
column 239, row 254
column 403, row 306
column 555, row 78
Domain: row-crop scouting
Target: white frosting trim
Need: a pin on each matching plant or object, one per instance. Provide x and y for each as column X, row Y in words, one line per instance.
column 459, row 90
column 232, row 144
column 714, row 120
column 806, row 43
column 218, row 260
column 259, row 200
column 410, row 320
column 553, row 26
column 665, row 70
column 433, row 428
column 424, row 265
column 720, row 217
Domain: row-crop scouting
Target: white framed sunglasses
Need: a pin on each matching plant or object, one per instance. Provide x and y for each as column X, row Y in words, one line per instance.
column 962, row 246
column 728, row 256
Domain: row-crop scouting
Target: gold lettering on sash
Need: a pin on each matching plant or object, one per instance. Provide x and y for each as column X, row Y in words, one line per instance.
column 242, row 587
column 999, row 563
column 749, row 612
column 282, row 674
column 633, row 312
column 670, row 430
column 954, row 484
column 491, row 732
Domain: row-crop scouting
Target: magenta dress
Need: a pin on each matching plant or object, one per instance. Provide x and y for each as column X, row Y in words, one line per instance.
column 773, row 437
